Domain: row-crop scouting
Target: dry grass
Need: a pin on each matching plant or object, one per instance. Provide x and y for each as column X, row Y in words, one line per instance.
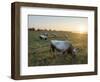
column 39, row 50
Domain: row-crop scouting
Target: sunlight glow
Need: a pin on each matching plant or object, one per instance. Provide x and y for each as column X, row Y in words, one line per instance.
column 82, row 30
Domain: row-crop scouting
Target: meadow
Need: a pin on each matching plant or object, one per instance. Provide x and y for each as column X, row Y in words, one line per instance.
column 39, row 50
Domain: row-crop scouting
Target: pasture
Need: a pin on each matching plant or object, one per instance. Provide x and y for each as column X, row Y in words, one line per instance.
column 39, row 50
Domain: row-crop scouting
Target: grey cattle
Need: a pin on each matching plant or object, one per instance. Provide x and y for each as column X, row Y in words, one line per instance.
column 44, row 36
column 63, row 47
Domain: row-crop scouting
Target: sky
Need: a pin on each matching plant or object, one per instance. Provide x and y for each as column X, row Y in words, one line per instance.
column 58, row 23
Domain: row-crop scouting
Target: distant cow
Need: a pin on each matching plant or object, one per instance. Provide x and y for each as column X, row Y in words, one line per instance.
column 63, row 47
column 44, row 36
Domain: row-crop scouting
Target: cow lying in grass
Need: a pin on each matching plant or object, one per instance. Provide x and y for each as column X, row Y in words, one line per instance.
column 63, row 47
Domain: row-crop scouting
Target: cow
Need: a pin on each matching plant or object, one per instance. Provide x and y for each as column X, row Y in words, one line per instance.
column 63, row 47
column 43, row 36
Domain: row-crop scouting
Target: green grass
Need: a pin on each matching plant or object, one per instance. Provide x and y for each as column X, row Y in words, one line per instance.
column 39, row 50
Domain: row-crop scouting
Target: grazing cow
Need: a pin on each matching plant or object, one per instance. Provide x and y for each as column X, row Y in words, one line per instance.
column 43, row 37
column 63, row 47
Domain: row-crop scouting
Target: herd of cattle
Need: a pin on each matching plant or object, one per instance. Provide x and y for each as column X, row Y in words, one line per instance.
column 60, row 47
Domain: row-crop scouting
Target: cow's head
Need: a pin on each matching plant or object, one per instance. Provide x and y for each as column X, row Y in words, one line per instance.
column 75, row 51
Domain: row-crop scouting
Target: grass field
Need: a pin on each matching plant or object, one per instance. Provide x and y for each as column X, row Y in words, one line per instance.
column 39, row 50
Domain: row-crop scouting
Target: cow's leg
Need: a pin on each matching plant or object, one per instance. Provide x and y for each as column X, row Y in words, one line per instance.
column 65, row 54
column 41, row 38
column 52, row 50
column 73, row 59
column 45, row 38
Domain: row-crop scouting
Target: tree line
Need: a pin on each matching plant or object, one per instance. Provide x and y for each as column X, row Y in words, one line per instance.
column 33, row 29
